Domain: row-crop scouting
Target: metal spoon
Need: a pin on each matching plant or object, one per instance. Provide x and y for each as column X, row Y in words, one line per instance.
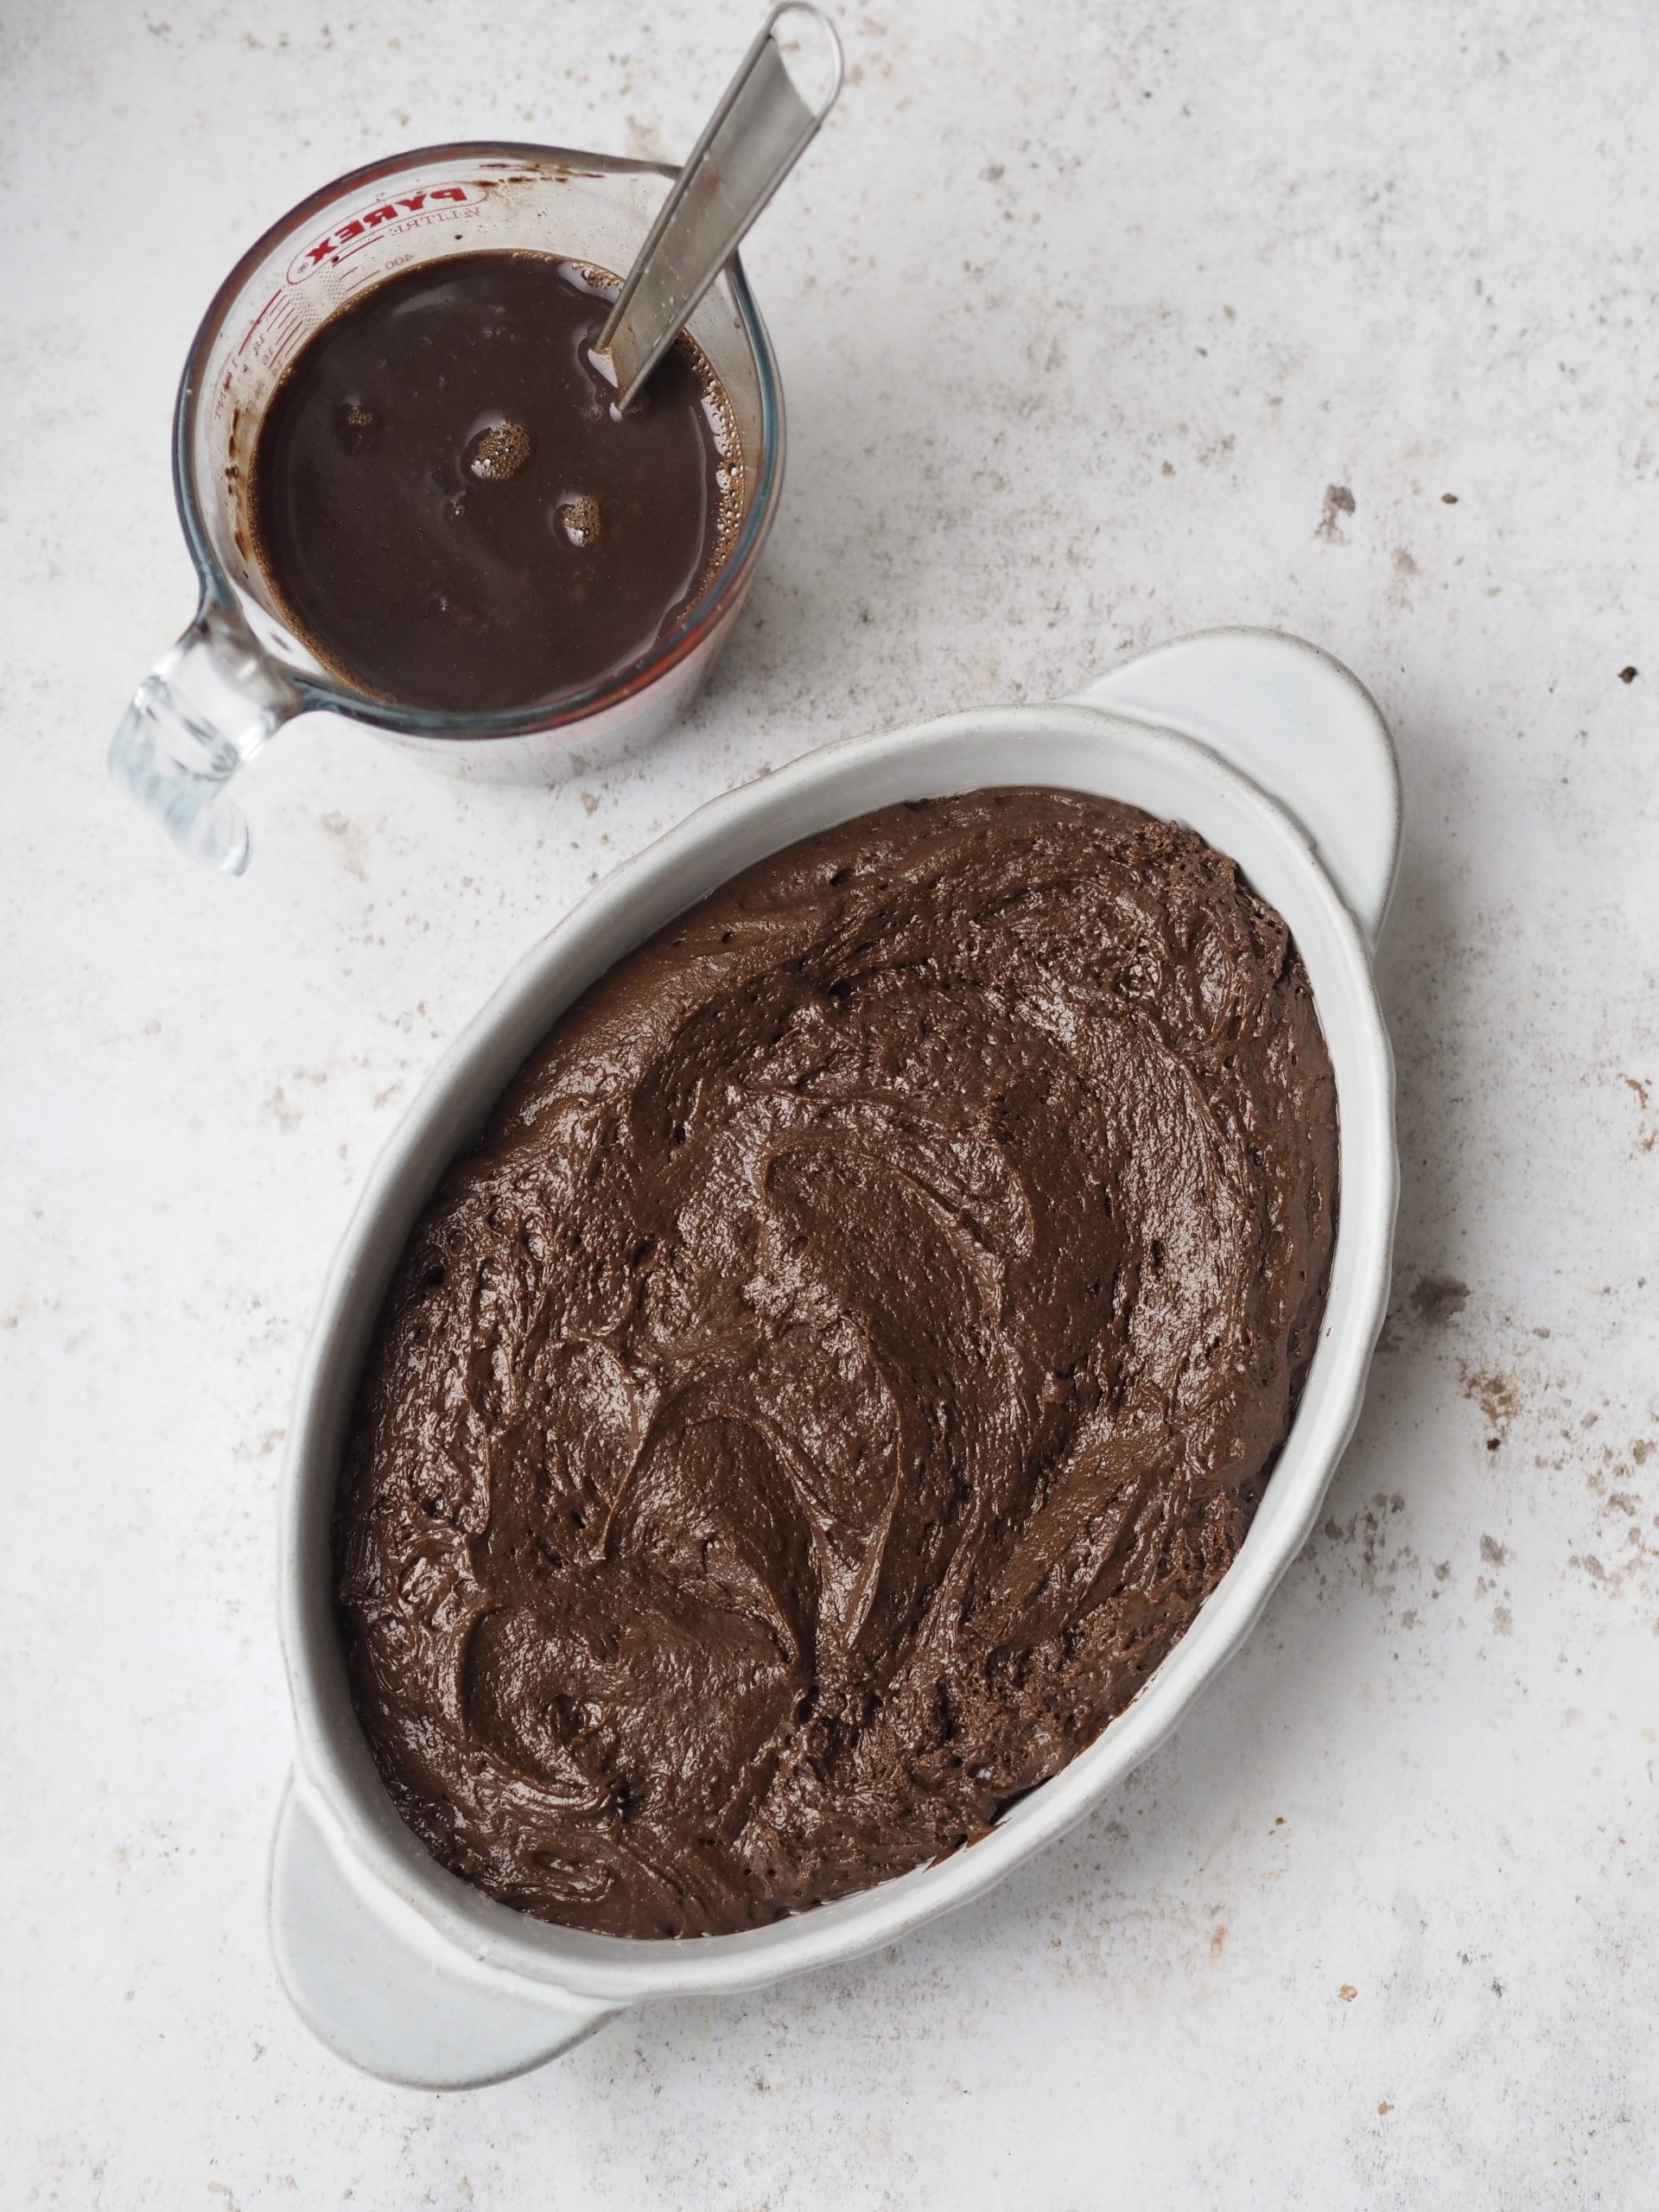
column 752, row 141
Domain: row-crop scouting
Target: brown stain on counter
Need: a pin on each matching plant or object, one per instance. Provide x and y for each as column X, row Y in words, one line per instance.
column 1646, row 1138
column 1438, row 1300
column 1338, row 501
column 1494, row 1392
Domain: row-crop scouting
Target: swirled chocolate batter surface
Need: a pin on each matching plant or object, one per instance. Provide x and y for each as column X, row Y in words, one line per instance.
column 853, row 1354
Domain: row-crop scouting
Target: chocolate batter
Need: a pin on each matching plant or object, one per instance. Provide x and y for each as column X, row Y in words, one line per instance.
column 853, row 1353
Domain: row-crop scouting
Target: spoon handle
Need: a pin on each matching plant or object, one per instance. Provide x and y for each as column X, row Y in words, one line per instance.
column 752, row 141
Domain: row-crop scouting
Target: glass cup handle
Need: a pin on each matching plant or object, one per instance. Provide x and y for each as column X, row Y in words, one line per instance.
column 206, row 707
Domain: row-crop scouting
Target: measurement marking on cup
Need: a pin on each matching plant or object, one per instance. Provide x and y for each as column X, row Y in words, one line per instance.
column 345, row 253
column 255, row 324
column 399, row 213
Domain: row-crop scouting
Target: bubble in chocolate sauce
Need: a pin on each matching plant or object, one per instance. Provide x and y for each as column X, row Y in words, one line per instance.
column 498, row 453
column 581, row 521
column 356, row 426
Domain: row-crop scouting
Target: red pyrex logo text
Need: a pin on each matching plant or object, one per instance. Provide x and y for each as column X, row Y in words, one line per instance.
column 397, row 212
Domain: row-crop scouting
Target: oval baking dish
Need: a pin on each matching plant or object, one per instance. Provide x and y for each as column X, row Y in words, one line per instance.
column 1275, row 755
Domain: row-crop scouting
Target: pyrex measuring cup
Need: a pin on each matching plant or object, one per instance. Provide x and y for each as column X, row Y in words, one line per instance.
column 239, row 673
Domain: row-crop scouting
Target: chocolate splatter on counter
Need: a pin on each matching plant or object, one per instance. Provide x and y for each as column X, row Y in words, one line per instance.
column 1438, row 1300
column 852, row 1356
column 1495, row 1393
column 1338, row 501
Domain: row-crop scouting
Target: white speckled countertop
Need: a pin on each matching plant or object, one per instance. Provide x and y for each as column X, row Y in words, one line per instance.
column 1099, row 323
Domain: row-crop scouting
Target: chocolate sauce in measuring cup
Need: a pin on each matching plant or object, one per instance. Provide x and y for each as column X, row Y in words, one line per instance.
column 450, row 511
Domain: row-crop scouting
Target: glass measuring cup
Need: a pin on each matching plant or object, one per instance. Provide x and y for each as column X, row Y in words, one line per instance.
column 240, row 671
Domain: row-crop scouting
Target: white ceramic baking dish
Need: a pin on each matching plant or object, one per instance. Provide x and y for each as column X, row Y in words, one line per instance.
column 1278, row 756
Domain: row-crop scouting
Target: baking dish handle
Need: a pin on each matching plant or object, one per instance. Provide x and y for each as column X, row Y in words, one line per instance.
column 1295, row 721
column 372, row 1981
